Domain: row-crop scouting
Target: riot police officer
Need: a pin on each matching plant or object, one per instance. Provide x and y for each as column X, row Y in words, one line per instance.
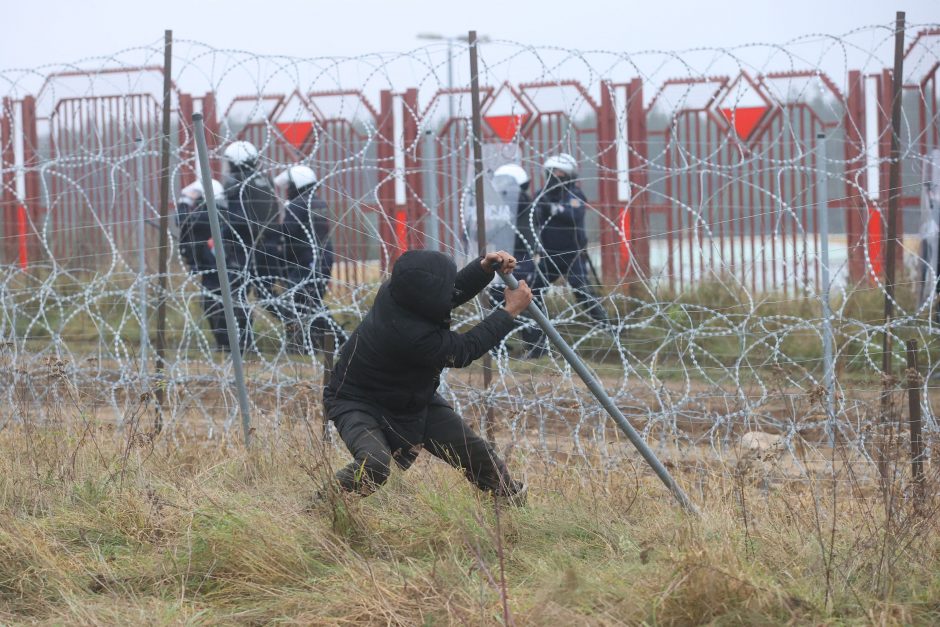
column 308, row 259
column 252, row 234
column 195, row 237
column 558, row 217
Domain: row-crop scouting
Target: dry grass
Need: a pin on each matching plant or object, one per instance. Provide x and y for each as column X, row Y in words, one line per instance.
column 99, row 526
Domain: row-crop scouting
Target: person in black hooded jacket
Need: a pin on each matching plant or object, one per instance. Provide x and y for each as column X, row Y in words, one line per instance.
column 382, row 394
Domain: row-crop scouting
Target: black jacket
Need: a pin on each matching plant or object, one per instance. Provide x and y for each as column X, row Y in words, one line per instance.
column 394, row 359
column 251, row 200
column 560, row 209
column 306, row 230
column 525, row 246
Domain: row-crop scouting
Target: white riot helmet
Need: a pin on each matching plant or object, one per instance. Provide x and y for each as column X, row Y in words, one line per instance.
column 218, row 191
column 515, row 171
column 194, row 193
column 300, row 176
column 562, row 162
column 241, row 154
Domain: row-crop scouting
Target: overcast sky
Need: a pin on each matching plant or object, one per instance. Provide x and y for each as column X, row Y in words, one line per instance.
column 37, row 32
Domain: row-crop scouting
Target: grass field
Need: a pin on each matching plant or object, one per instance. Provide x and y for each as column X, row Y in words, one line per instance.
column 105, row 527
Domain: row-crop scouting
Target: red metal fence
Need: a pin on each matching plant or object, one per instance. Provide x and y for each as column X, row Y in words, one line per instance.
column 686, row 180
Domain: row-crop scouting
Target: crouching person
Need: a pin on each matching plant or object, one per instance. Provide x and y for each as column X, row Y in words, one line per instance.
column 382, row 394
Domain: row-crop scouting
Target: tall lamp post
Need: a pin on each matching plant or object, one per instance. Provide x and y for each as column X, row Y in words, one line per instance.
column 450, row 61
column 433, row 241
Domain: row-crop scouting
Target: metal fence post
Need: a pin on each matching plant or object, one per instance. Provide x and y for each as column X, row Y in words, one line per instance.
column 329, row 347
column 481, row 215
column 162, row 267
column 638, row 143
column 822, row 212
column 894, row 184
column 142, row 261
column 385, row 155
column 856, row 212
column 432, row 237
column 31, row 213
column 202, row 151
column 9, row 204
column 413, row 171
column 607, row 185
column 914, row 383
column 893, row 194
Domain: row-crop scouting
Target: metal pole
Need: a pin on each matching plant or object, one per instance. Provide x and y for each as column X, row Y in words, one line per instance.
column 433, row 236
column 481, row 213
column 160, row 343
column 142, row 261
column 914, row 383
column 329, row 347
column 601, row 395
column 199, row 130
column 453, row 225
column 822, row 212
column 894, row 186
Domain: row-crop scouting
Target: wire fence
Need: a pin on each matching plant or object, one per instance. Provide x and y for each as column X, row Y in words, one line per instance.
column 704, row 182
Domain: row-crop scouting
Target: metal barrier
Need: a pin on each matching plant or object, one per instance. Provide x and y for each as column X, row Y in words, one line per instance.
column 395, row 175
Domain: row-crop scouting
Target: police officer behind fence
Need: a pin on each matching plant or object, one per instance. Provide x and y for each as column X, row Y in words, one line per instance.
column 253, row 239
column 308, row 259
column 192, row 218
column 558, row 213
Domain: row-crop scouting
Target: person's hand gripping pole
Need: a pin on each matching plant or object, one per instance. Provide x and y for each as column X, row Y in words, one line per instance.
column 518, row 298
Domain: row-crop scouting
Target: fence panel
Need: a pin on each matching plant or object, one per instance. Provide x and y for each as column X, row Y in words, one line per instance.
column 92, row 146
column 732, row 162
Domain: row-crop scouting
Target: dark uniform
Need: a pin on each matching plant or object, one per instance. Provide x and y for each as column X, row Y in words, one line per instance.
column 253, row 244
column 194, row 236
column 559, row 217
column 308, row 265
column 382, row 394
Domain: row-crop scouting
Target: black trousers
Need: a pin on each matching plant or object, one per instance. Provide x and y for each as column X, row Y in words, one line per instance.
column 446, row 436
column 194, row 248
column 308, row 282
column 253, row 258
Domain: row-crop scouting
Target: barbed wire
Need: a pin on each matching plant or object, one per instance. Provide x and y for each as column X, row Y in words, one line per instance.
column 700, row 175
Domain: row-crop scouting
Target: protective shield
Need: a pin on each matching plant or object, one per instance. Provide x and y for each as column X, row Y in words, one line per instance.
column 929, row 263
column 500, row 202
column 501, row 198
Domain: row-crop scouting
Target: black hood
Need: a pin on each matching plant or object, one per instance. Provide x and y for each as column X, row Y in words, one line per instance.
column 423, row 283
